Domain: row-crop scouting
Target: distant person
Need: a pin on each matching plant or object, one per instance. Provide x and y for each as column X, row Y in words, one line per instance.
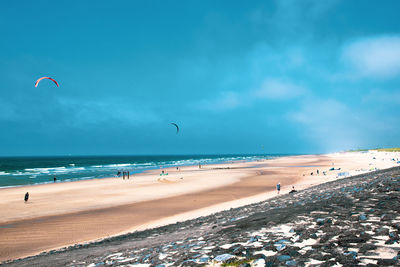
column 293, row 190
column 278, row 187
column 123, row 175
column 55, row 179
column 317, row 172
column 128, row 175
column 26, row 197
column 119, row 173
column 199, row 166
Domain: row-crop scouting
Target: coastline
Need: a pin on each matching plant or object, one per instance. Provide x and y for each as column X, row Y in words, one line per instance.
column 81, row 170
column 237, row 184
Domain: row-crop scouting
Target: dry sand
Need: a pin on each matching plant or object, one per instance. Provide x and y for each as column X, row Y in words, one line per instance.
column 62, row 214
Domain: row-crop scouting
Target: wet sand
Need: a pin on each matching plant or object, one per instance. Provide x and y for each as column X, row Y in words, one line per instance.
column 148, row 200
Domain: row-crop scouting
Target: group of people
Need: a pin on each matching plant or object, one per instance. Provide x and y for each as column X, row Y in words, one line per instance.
column 124, row 174
column 278, row 188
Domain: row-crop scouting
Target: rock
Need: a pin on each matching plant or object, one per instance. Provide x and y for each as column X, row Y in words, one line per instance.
column 393, row 235
column 386, row 262
column 291, row 263
column 292, row 252
column 237, row 249
column 314, row 236
column 259, row 263
column 280, row 247
column 204, row 259
column 387, row 217
column 345, row 240
column 362, row 218
column 254, row 238
column 283, row 258
column 224, row 257
column 282, row 241
column 364, row 248
column 382, row 231
column 352, row 253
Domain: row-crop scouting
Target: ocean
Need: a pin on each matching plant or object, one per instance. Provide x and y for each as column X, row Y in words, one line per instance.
column 17, row 171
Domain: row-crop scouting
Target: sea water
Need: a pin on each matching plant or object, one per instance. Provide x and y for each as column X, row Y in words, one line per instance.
column 17, row 171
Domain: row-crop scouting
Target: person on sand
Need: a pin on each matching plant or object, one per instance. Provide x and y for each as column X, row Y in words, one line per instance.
column 26, row 196
column 278, row 187
column 293, row 190
column 55, row 179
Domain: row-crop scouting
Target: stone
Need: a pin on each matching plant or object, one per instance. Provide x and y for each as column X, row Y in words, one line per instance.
column 283, row 258
column 280, row 247
column 352, row 253
column 362, row 218
column 291, row 263
column 224, row 257
column 258, row 263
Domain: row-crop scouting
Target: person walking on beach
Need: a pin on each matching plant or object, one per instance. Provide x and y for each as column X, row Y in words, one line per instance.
column 278, row 187
column 123, row 175
column 26, row 197
column 55, row 179
column 128, row 175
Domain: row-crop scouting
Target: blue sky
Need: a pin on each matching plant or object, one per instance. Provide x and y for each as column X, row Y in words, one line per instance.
column 290, row 76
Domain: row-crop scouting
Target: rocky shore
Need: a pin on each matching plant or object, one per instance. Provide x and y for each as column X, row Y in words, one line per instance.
column 348, row 222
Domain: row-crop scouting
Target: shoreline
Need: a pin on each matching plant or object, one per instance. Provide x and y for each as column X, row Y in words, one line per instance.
column 247, row 189
column 145, row 170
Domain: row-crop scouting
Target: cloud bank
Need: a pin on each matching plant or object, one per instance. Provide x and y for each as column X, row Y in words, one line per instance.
column 374, row 57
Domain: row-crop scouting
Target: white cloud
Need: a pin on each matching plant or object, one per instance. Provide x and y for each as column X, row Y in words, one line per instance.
column 225, row 101
column 377, row 57
column 270, row 89
column 329, row 123
column 381, row 96
column 334, row 125
column 276, row 89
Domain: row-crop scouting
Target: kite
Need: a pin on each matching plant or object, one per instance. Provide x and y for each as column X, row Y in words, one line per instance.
column 37, row 82
column 177, row 127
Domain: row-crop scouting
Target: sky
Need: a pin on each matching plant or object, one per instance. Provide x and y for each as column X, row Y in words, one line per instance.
column 256, row 77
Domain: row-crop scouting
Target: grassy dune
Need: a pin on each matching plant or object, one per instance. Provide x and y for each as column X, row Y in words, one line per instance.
column 392, row 149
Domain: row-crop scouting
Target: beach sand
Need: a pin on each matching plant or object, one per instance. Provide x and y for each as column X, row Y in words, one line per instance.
column 62, row 214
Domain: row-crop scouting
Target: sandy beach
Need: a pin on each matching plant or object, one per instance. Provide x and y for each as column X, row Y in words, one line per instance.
column 62, row 214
